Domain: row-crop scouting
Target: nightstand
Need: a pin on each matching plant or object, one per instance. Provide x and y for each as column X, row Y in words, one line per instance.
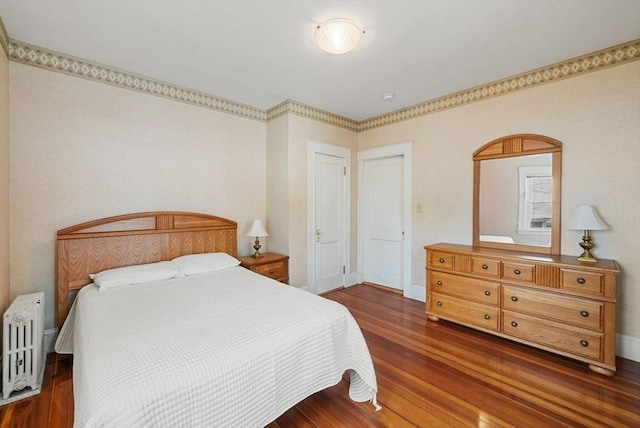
column 275, row 266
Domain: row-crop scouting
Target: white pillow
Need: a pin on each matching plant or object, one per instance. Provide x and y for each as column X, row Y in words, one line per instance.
column 195, row 264
column 135, row 274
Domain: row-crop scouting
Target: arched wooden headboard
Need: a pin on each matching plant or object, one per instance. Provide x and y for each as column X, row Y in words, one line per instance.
column 132, row 239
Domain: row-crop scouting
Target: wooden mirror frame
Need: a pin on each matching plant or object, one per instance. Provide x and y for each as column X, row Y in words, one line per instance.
column 520, row 145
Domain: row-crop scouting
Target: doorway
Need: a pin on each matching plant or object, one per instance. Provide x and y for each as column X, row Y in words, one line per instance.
column 384, row 216
column 328, row 218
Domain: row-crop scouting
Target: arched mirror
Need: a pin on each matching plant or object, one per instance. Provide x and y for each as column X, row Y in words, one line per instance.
column 516, row 194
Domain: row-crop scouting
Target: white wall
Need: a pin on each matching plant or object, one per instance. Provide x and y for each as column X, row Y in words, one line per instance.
column 5, row 286
column 82, row 150
column 597, row 118
column 277, row 185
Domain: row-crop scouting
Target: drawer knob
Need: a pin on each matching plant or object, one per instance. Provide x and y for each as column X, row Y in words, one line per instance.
column 584, row 342
column 581, row 280
column 485, row 267
column 584, row 313
column 439, row 303
column 487, row 293
column 271, row 271
column 517, row 272
column 514, row 324
column 514, row 298
column 487, row 316
column 441, row 260
column 439, row 282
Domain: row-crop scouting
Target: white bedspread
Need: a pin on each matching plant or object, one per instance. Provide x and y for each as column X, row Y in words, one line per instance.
column 227, row 349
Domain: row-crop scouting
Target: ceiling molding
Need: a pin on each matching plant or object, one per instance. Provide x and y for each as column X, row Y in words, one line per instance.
column 574, row 67
column 4, row 38
column 310, row 112
column 54, row 61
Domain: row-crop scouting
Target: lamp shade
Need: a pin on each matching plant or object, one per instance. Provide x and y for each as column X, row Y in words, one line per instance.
column 587, row 218
column 338, row 36
column 257, row 229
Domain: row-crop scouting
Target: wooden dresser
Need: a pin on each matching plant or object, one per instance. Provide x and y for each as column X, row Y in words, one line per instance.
column 555, row 303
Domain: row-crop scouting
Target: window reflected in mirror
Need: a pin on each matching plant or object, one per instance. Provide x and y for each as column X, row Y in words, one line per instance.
column 516, row 200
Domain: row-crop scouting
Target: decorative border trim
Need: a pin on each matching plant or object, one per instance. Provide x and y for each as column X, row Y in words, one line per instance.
column 4, row 38
column 54, row 61
column 294, row 107
column 592, row 62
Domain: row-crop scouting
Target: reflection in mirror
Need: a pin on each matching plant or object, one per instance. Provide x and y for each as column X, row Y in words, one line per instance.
column 515, row 200
column 517, row 182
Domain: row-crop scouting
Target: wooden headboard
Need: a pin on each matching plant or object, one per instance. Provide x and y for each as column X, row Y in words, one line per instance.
column 134, row 239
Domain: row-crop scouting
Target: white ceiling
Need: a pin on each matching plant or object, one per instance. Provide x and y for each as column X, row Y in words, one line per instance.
column 260, row 52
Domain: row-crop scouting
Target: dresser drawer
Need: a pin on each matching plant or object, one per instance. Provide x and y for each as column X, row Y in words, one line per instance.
column 441, row 260
column 489, row 267
column 588, row 282
column 574, row 311
column 584, row 343
column 467, row 288
column 519, row 271
column 273, row 270
column 464, row 311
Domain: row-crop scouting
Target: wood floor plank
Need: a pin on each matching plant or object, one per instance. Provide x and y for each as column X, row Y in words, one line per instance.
column 430, row 374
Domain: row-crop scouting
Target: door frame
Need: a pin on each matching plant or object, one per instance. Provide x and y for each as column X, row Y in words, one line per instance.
column 314, row 148
column 392, row 150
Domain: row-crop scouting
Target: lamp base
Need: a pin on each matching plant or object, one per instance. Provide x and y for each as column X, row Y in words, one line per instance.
column 257, row 246
column 587, row 245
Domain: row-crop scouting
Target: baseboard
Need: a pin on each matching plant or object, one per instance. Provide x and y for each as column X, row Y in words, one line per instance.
column 416, row 292
column 50, row 337
column 352, row 279
column 628, row 347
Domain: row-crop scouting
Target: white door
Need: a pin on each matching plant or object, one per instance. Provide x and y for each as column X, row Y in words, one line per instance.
column 329, row 222
column 384, row 221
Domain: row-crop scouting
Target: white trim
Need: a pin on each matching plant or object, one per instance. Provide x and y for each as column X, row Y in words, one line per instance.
column 392, row 150
column 313, row 148
column 417, row 292
column 628, row 347
column 50, row 337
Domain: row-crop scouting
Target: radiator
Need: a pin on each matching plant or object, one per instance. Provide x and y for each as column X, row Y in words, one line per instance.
column 23, row 344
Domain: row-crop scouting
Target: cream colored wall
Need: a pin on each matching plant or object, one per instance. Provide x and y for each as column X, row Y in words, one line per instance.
column 5, row 286
column 596, row 116
column 301, row 131
column 277, row 185
column 82, row 150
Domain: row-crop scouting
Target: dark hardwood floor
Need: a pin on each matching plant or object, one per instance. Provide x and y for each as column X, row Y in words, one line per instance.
column 429, row 375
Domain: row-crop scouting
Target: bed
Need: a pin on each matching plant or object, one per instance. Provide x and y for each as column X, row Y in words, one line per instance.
column 212, row 346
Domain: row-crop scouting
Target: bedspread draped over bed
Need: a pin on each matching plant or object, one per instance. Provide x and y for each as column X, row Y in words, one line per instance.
column 225, row 349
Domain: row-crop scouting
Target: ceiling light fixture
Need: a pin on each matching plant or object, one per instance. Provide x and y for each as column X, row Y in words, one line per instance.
column 338, row 36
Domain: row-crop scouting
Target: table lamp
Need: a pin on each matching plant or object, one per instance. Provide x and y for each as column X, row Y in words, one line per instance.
column 257, row 230
column 587, row 219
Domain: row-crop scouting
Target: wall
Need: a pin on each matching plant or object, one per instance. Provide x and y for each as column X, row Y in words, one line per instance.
column 597, row 118
column 82, row 150
column 5, row 279
column 277, row 185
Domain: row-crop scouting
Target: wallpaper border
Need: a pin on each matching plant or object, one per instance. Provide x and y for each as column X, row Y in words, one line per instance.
column 595, row 61
column 54, row 61
column 4, row 37
column 66, row 64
